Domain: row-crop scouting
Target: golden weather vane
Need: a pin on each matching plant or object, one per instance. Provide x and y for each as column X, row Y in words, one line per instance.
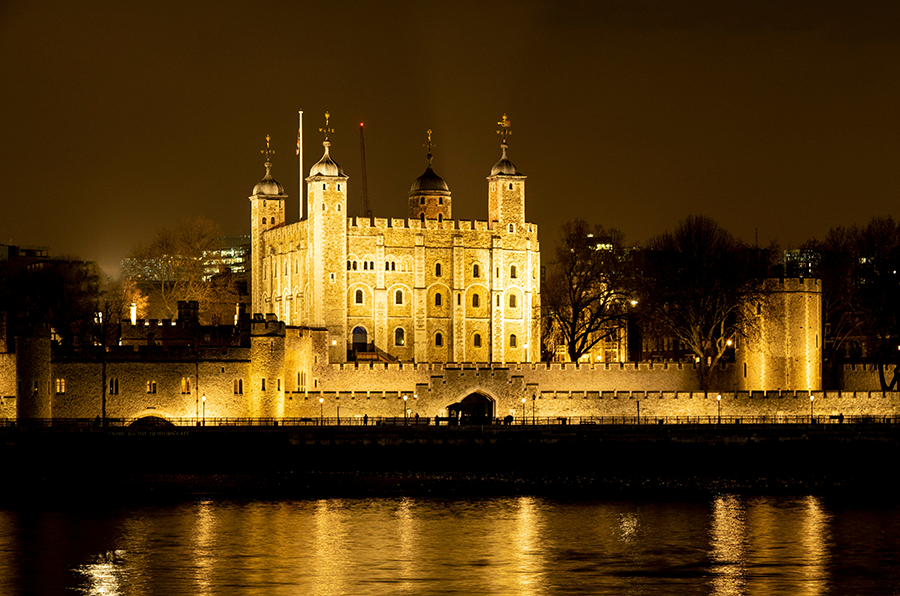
column 326, row 130
column 268, row 150
column 429, row 145
column 505, row 125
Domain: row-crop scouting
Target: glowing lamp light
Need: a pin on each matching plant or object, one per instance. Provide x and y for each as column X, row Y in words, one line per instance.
column 634, row 303
column 729, row 342
column 334, row 342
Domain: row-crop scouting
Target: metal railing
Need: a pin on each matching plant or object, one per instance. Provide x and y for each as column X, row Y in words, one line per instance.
column 422, row 422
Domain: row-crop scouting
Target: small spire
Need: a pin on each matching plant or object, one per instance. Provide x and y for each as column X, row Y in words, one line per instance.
column 268, row 151
column 505, row 129
column 327, row 129
column 429, row 146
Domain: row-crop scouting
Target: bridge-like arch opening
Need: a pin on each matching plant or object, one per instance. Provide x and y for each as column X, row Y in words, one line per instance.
column 475, row 408
column 151, row 422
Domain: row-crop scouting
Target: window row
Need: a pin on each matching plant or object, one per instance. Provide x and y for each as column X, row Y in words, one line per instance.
column 359, row 298
column 151, row 386
column 400, row 339
column 438, row 268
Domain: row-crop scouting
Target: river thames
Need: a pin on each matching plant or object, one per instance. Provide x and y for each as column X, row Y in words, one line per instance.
column 717, row 545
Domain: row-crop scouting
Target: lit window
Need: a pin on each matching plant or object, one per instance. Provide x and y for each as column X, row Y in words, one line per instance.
column 60, row 385
column 512, row 340
column 438, row 340
column 476, row 300
column 238, row 386
column 185, row 385
column 151, row 386
column 359, row 296
column 476, row 340
column 399, row 337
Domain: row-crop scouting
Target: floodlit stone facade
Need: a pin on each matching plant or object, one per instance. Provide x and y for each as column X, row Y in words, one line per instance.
column 423, row 289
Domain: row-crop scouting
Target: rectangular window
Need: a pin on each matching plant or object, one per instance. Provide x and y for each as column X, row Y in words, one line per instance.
column 114, row 386
column 60, row 385
column 264, row 384
column 185, row 385
column 238, row 386
column 151, row 386
column 279, row 385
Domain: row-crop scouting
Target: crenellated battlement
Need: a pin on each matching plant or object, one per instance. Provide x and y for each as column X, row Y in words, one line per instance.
column 361, row 225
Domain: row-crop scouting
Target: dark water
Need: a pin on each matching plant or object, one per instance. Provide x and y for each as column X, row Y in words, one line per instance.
column 511, row 545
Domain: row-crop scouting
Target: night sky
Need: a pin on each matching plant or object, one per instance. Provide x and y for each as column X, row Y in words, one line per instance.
column 776, row 118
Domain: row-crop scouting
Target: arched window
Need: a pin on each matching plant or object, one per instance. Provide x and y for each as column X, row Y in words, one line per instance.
column 365, row 265
column 393, row 265
column 437, row 269
column 512, row 300
column 438, row 340
column 512, row 340
column 359, row 296
column 422, row 217
column 349, row 265
column 398, row 297
column 421, row 200
column 476, row 340
column 264, row 221
column 440, row 217
column 476, row 270
column 498, row 299
column 399, row 337
column 510, row 186
column 512, row 228
column 387, row 266
column 437, row 299
column 476, row 300
column 354, row 265
column 512, row 271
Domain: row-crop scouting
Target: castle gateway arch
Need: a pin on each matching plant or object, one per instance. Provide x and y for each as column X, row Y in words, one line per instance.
column 475, row 408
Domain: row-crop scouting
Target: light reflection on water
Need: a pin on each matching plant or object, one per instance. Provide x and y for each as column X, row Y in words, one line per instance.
column 729, row 545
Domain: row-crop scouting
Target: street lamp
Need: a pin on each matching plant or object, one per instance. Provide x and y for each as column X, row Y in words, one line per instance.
column 204, row 409
column 405, row 397
column 321, row 411
column 523, row 411
column 811, row 398
column 719, row 403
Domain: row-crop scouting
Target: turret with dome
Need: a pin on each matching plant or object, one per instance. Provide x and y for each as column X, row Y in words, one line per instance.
column 429, row 195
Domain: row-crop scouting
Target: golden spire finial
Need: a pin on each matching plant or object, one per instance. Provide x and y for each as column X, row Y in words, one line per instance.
column 505, row 125
column 429, row 145
column 268, row 150
column 326, row 130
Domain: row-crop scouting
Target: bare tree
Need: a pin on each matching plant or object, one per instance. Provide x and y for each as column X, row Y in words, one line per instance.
column 173, row 266
column 695, row 284
column 587, row 296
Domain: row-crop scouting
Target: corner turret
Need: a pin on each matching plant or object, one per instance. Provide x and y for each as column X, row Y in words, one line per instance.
column 506, row 190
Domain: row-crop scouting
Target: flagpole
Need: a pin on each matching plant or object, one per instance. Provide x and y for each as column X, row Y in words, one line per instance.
column 300, row 162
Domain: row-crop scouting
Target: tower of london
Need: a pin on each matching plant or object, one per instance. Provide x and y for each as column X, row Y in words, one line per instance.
column 423, row 289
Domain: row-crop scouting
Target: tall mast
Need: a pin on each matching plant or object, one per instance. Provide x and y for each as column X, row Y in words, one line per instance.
column 366, row 212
